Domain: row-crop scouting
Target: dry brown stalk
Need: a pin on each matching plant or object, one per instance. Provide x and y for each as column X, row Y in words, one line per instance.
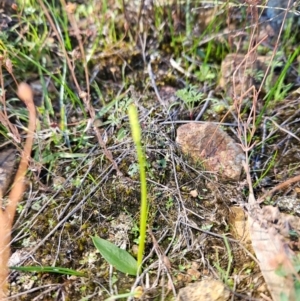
column 280, row 186
column 7, row 213
column 268, row 243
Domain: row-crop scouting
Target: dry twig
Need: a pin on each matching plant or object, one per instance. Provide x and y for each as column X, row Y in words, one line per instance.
column 7, row 213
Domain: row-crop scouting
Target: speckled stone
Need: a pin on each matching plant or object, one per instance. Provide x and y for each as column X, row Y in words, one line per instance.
column 214, row 148
column 205, row 290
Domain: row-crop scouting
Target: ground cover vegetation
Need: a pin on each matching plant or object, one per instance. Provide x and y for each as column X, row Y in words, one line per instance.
column 87, row 63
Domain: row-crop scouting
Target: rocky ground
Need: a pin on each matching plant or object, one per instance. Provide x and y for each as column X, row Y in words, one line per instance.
column 217, row 91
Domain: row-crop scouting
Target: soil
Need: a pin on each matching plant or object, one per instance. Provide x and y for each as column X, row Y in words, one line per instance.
column 74, row 190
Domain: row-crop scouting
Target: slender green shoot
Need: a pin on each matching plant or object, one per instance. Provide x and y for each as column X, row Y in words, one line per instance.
column 266, row 170
column 225, row 274
column 136, row 136
column 47, row 269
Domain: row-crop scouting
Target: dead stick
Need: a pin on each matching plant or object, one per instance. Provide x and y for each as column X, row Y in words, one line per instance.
column 279, row 187
column 7, row 215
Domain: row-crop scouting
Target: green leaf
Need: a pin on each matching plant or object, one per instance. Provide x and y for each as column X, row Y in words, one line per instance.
column 115, row 256
column 190, row 95
column 46, row 269
column 297, row 289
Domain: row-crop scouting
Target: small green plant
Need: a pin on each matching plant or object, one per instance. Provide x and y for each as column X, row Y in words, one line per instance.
column 277, row 87
column 170, row 203
column 190, row 97
column 206, row 73
column 120, row 108
column 135, row 230
column 115, row 256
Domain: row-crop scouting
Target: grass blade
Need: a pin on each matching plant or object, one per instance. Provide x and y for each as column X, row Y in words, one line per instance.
column 41, row 269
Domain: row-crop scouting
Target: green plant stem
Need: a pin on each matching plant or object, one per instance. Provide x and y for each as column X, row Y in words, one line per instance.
column 136, row 135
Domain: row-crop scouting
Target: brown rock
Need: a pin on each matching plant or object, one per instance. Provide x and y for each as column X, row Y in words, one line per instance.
column 239, row 226
column 239, row 73
column 209, row 144
column 205, row 290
